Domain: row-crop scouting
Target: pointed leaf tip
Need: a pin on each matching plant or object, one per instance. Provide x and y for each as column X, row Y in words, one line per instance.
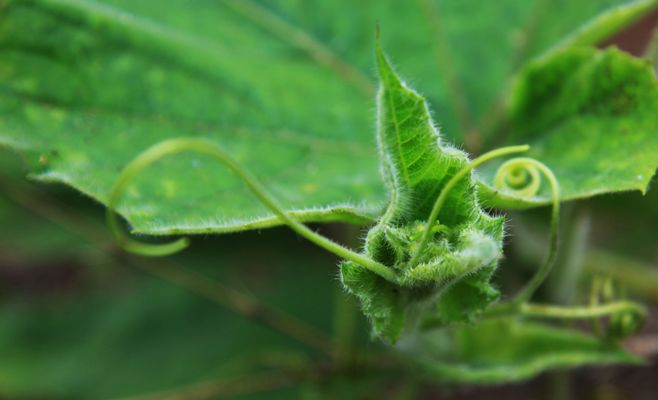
column 386, row 74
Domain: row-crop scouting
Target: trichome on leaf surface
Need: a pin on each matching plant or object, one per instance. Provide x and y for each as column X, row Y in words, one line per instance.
column 428, row 261
column 574, row 121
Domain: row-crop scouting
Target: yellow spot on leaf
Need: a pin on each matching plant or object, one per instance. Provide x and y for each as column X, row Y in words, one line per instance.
column 309, row 187
column 169, row 187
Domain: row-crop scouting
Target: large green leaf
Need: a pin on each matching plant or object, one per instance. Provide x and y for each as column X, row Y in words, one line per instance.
column 450, row 277
column 105, row 85
column 284, row 86
column 504, row 350
column 591, row 117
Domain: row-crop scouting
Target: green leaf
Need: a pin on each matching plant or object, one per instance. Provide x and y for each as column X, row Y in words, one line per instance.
column 84, row 101
column 506, row 350
column 465, row 245
column 285, row 87
column 591, row 117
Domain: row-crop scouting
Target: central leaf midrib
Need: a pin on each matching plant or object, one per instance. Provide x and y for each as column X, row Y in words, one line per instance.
column 398, row 139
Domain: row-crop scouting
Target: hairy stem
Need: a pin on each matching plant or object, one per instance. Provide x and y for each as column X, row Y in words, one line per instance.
column 175, row 146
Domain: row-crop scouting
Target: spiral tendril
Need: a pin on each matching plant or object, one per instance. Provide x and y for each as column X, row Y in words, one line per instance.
column 518, row 177
column 521, row 177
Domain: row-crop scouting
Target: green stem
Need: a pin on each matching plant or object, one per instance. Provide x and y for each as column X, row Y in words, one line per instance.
column 443, row 196
column 563, row 282
column 526, row 293
column 564, row 312
column 175, row 146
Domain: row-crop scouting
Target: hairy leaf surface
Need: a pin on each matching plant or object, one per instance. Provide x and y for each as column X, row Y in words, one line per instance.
column 285, row 87
column 591, row 117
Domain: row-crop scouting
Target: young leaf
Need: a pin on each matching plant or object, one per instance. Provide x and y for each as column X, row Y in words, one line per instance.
column 591, row 117
column 506, row 350
column 465, row 244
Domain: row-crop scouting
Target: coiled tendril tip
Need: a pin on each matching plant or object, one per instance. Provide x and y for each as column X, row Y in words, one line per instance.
column 521, row 177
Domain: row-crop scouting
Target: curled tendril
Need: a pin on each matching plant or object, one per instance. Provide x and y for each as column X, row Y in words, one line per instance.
column 521, row 177
column 518, row 177
column 175, row 146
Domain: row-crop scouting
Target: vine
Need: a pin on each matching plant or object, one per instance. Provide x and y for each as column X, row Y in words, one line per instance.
column 521, row 177
column 179, row 145
column 518, row 176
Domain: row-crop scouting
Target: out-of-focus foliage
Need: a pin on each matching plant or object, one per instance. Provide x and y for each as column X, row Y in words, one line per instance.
column 76, row 324
column 505, row 350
